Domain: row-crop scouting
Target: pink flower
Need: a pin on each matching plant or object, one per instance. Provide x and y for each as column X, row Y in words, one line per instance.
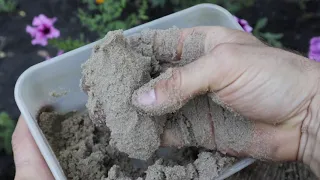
column 314, row 49
column 244, row 24
column 43, row 30
column 58, row 54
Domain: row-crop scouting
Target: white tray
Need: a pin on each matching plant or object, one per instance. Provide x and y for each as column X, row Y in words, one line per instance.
column 62, row 74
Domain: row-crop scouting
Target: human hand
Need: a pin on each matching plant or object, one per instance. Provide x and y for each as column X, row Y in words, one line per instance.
column 27, row 157
column 276, row 89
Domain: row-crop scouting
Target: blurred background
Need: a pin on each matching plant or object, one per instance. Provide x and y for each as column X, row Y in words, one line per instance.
column 32, row 31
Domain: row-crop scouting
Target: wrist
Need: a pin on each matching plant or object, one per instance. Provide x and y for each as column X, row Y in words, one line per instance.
column 309, row 149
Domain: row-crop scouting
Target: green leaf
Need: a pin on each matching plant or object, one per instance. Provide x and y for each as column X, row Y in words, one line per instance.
column 260, row 25
column 68, row 44
column 273, row 35
column 232, row 7
column 160, row 3
column 7, row 127
column 113, row 14
column 272, row 38
column 8, row 6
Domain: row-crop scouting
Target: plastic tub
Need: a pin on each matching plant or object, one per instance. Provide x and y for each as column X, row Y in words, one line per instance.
column 34, row 87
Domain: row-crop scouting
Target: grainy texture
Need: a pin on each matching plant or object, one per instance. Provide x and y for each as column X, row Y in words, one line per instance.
column 120, row 65
column 193, row 48
column 202, row 121
column 111, row 75
column 275, row 171
column 84, row 153
column 209, row 165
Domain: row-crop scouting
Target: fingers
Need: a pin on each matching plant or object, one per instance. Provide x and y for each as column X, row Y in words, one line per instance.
column 170, row 91
column 175, row 87
column 168, row 45
column 266, row 142
column 203, row 123
column 271, row 143
column 214, row 36
column 28, row 159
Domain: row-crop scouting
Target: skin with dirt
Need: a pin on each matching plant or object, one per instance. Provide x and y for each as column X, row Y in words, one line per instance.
column 120, row 65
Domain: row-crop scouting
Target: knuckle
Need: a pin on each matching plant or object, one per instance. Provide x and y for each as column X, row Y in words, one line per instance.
column 224, row 49
column 225, row 54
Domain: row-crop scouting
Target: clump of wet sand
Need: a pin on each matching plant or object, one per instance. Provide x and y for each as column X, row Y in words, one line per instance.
column 120, row 65
column 84, row 152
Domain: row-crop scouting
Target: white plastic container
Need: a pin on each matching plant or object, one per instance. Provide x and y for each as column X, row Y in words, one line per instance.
column 34, row 87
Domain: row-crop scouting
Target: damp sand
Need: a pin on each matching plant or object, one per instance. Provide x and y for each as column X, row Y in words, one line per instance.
column 120, row 65
column 84, row 152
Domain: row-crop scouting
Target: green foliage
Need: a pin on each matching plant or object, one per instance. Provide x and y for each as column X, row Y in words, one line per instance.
column 261, row 23
column 6, row 129
column 7, row 6
column 108, row 15
column 231, row 5
column 123, row 14
column 236, row 5
column 155, row 3
column 68, row 44
column 272, row 38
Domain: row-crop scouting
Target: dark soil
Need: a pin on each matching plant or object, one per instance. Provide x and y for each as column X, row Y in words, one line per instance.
column 285, row 16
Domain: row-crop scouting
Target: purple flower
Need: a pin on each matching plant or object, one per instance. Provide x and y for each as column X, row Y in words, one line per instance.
column 244, row 24
column 314, row 49
column 42, row 30
column 58, row 54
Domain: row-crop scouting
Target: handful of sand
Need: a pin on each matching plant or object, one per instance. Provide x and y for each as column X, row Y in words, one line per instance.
column 120, row 65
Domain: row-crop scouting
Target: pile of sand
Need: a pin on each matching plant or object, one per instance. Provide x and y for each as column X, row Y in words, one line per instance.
column 84, row 152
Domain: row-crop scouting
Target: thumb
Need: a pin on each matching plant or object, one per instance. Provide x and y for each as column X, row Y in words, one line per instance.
column 27, row 157
column 172, row 89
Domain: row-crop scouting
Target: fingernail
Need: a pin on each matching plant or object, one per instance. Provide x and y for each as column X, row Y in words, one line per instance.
column 147, row 98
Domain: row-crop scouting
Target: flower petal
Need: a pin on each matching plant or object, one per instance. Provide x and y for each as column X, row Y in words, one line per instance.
column 60, row 52
column 315, row 40
column 31, row 30
column 314, row 56
column 36, row 21
column 315, row 48
column 314, row 45
column 247, row 28
column 54, row 33
column 243, row 22
column 43, row 20
column 40, row 39
column 42, row 42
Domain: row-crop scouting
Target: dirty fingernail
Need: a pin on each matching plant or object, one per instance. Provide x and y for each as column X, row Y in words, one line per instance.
column 147, row 98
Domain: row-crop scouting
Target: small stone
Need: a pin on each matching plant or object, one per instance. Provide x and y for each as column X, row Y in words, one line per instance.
column 22, row 13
